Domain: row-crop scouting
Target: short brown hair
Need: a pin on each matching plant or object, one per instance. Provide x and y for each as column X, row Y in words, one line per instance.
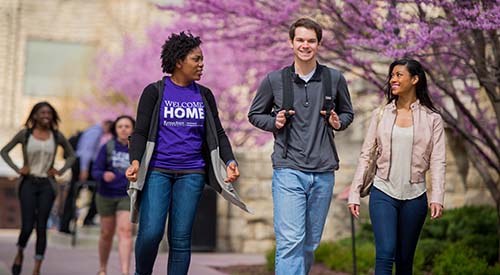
column 307, row 23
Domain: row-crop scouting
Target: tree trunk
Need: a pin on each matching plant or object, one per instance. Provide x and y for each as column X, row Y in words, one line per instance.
column 498, row 229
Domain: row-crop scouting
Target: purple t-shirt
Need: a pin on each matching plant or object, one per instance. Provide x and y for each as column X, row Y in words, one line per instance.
column 181, row 129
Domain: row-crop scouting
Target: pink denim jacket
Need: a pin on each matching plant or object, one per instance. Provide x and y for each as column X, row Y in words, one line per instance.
column 428, row 152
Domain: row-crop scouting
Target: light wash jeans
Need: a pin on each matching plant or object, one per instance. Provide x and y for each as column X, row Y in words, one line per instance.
column 301, row 202
column 176, row 195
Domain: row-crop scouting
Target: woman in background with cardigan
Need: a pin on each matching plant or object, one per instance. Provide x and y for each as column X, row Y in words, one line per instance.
column 37, row 191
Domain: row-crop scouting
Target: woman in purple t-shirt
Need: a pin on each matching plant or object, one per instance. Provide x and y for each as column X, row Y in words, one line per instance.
column 113, row 204
column 177, row 134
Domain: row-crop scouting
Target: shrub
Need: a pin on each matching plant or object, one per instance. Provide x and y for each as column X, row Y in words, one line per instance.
column 427, row 250
column 458, row 259
column 485, row 246
column 463, row 241
column 338, row 256
column 270, row 258
column 472, row 220
column 457, row 224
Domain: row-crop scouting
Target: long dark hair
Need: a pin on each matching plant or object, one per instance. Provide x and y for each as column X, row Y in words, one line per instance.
column 31, row 121
column 113, row 126
column 415, row 68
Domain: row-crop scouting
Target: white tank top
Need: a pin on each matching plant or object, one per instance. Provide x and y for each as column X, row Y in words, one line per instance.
column 398, row 185
column 40, row 155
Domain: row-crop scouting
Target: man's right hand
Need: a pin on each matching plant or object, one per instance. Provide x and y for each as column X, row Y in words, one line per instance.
column 281, row 118
column 132, row 171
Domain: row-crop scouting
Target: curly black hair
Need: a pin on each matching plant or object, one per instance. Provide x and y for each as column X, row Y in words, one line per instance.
column 176, row 48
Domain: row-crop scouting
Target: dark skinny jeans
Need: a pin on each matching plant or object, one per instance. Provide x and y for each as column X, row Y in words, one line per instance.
column 396, row 227
column 36, row 196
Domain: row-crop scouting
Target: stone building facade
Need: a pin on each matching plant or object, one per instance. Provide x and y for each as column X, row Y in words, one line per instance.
column 95, row 24
column 103, row 24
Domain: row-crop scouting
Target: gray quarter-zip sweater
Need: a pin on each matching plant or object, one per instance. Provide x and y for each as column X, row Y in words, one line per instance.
column 309, row 146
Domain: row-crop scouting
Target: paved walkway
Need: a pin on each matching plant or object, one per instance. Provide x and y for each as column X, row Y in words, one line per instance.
column 64, row 260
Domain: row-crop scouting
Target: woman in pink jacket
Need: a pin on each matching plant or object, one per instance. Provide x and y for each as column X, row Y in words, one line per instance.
column 411, row 141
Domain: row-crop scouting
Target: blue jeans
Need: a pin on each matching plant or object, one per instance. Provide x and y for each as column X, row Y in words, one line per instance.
column 176, row 195
column 396, row 227
column 301, row 202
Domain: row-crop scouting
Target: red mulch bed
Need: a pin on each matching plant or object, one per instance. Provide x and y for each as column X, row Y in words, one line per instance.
column 317, row 269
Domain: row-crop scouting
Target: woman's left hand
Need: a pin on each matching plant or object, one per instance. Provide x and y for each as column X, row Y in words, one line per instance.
column 232, row 172
column 436, row 210
column 52, row 172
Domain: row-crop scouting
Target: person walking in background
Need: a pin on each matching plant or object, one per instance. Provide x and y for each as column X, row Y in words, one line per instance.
column 88, row 144
column 177, row 146
column 411, row 141
column 304, row 157
column 113, row 203
column 37, row 189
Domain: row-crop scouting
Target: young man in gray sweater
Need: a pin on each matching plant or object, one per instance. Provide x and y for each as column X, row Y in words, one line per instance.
column 293, row 103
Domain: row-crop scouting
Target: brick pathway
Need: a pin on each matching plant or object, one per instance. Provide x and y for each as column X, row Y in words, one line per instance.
column 64, row 260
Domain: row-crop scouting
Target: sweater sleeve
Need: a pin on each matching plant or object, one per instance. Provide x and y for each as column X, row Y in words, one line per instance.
column 143, row 121
column 18, row 138
column 438, row 162
column 369, row 141
column 343, row 106
column 260, row 114
column 69, row 153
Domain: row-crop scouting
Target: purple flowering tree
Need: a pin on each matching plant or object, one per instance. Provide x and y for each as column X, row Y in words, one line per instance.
column 457, row 41
column 120, row 80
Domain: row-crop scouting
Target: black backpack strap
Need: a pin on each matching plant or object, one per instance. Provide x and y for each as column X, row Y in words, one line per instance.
column 328, row 106
column 286, row 77
column 110, row 146
column 328, row 103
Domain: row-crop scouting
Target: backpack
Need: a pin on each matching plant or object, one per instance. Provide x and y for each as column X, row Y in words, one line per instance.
column 73, row 139
column 328, row 104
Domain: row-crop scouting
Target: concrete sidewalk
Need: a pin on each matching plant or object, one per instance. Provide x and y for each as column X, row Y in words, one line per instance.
column 64, row 260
